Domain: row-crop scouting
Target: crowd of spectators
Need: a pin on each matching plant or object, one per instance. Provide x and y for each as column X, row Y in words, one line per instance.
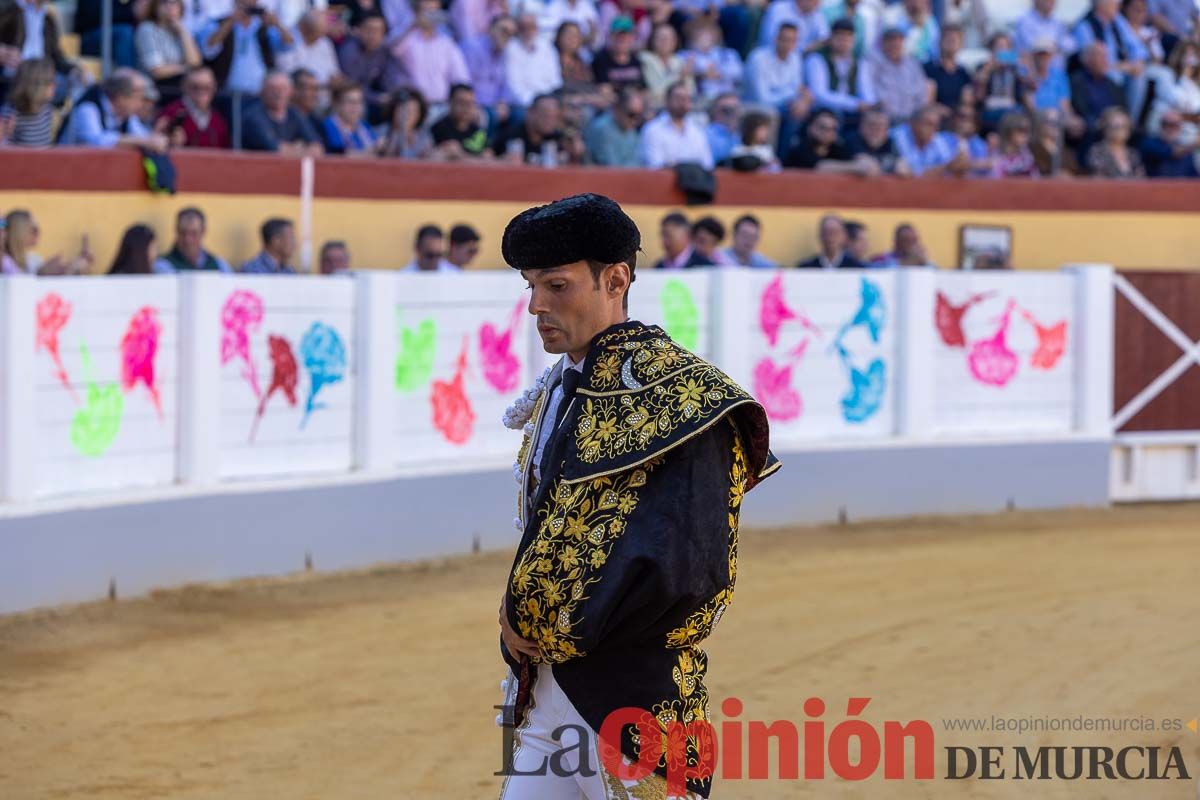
column 686, row 244
column 866, row 87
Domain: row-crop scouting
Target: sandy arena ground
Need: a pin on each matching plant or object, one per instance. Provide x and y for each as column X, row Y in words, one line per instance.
column 381, row 684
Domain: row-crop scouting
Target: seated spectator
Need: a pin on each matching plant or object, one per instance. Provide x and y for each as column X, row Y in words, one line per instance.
column 1137, row 14
column 873, row 140
column 1170, row 153
column 672, row 137
column 530, row 62
column 137, row 252
column 187, row 254
column 1050, row 88
column 1092, row 90
column 242, row 47
column 662, row 67
column 1180, row 93
column 754, row 153
column 22, row 238
column 658, row 12
column 279, row 245
column 1012, row 157
column 900, row 82
column 952, row 83
column 106, row 115
column 811, row 26
column 747, row 231
column 165, row 48
column 191, row 121
column 839, row 80
column 973, row 156
column 406, row 136
column 865, row 14
column 30, row 29
column 1127, row 56
column 915, row 20
column 707, row 234
column 464, row 246
column 367, row 60
column 998, row 82
column 774, row 73
column 345, row 131
column 537, row 139
column 1040, row 24
column 723, row 132
column 335, row 258
column 577, row 78
column 1112, row 157
column 924, row 151
column 429, row 248
column 616, row 65
column 678, row 250
column 306, row 98
column 858, row 243
column 1175, row 18
column 821, row 148
column 89, row 24
column 580, row 13
column 313, row 50
column 459, row 135
column 29, row 104
column 612, row 137
column 971, row 16
column 1049, row 154
column 430, row 58
column 485, row 61
column 274, row 126
column 716, row 69
column 907, row 250
column 833, row 253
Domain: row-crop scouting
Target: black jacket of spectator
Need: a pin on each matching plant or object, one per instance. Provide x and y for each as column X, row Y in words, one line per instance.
column 805, row 156
column 473, row 140
column 518, row 130
column 1161, row 160
column 88, row 15
column 847, row 262
column 886, row 154
column 606, row 70
column 1090, row 96
column 695, row 260
column 950, row 85
column 12, row 33
column 260, row 132
column 222, row 62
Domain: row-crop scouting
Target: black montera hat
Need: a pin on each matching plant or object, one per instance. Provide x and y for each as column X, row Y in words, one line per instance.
column 583, row 227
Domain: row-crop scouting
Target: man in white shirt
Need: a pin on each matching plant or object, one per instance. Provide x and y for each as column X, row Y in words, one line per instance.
column 671, row 138
column 531, row 62
column 312, row 50
column 773, row 71
column 840, row 81
column 806, row 15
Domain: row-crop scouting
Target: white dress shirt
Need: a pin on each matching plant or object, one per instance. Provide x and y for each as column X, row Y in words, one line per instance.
column 665, row 144
column 531, row 70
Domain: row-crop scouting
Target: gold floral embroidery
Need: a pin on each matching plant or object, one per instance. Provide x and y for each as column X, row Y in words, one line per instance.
column 525, row 454
column 578, row 526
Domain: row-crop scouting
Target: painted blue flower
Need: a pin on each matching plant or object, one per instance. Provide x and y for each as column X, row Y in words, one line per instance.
column 324, row 357
column 865, row 395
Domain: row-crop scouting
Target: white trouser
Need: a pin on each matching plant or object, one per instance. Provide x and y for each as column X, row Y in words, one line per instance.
column 536, row 749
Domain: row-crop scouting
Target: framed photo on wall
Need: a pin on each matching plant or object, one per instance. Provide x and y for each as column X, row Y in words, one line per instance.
column 985, row 246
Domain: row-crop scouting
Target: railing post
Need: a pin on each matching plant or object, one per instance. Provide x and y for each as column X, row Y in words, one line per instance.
column 199, row 378
column 914, row 372
column 1093, row 348
column 375, row 345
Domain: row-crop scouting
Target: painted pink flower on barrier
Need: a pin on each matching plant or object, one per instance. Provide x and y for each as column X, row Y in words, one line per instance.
column 138, row 348
column 773, row 310
column 949, row 318
column 452, row 412
column 241, row 318
column 285, row 374
column 991, row 360
column 52, row 315
column 773, row 386
column 1052, row 342
column 501, row 367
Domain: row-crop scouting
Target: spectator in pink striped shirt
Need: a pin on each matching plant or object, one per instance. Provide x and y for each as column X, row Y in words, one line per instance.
column 431, row 59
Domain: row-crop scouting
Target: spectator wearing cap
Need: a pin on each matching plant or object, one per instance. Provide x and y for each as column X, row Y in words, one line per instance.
column 464, row 246
column 811, row 26
column 743, row 252
column 900, row 82
column 429, row 252
column 838, row 79
column 430, row 58
column 922, row 149
column 916, row 21
column 1039, row 24
column 831, row 232
column 279, row 245
column 106, row 115
column 678, row 251
column 335, row 258
column 612, row 137
column 192, row 121
column 1093, row 91
column 485, row 61
column 617, row 65
column 873, row 140
column 187, row 253
column 459, row 135
column 950, row 80
column 722, row 131
column 531, row 62
column 717, row 69
column 366, row 60
column 673, row 137
column 707, row 234
column 1127, row 55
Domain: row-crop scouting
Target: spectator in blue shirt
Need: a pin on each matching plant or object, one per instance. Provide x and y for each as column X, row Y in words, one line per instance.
column 279, row 245
column 1039, row 24
column 346, row 131
column 922, row 149
column 1051, row 88
column 274, row 125
column 722, row 131
column 107, row 115
column 747, row 231
column 839, row 80
column 1127, row 55
column 612, row 137
column 804, row 14
column 1169, row 154
column 241, row 48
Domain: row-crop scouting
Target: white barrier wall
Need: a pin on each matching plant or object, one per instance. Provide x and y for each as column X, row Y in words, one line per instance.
column 199, row 379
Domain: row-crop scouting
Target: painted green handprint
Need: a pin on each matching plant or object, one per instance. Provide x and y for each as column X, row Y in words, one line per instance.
column 680, row 316
column 414, row 362
column 95, row 426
